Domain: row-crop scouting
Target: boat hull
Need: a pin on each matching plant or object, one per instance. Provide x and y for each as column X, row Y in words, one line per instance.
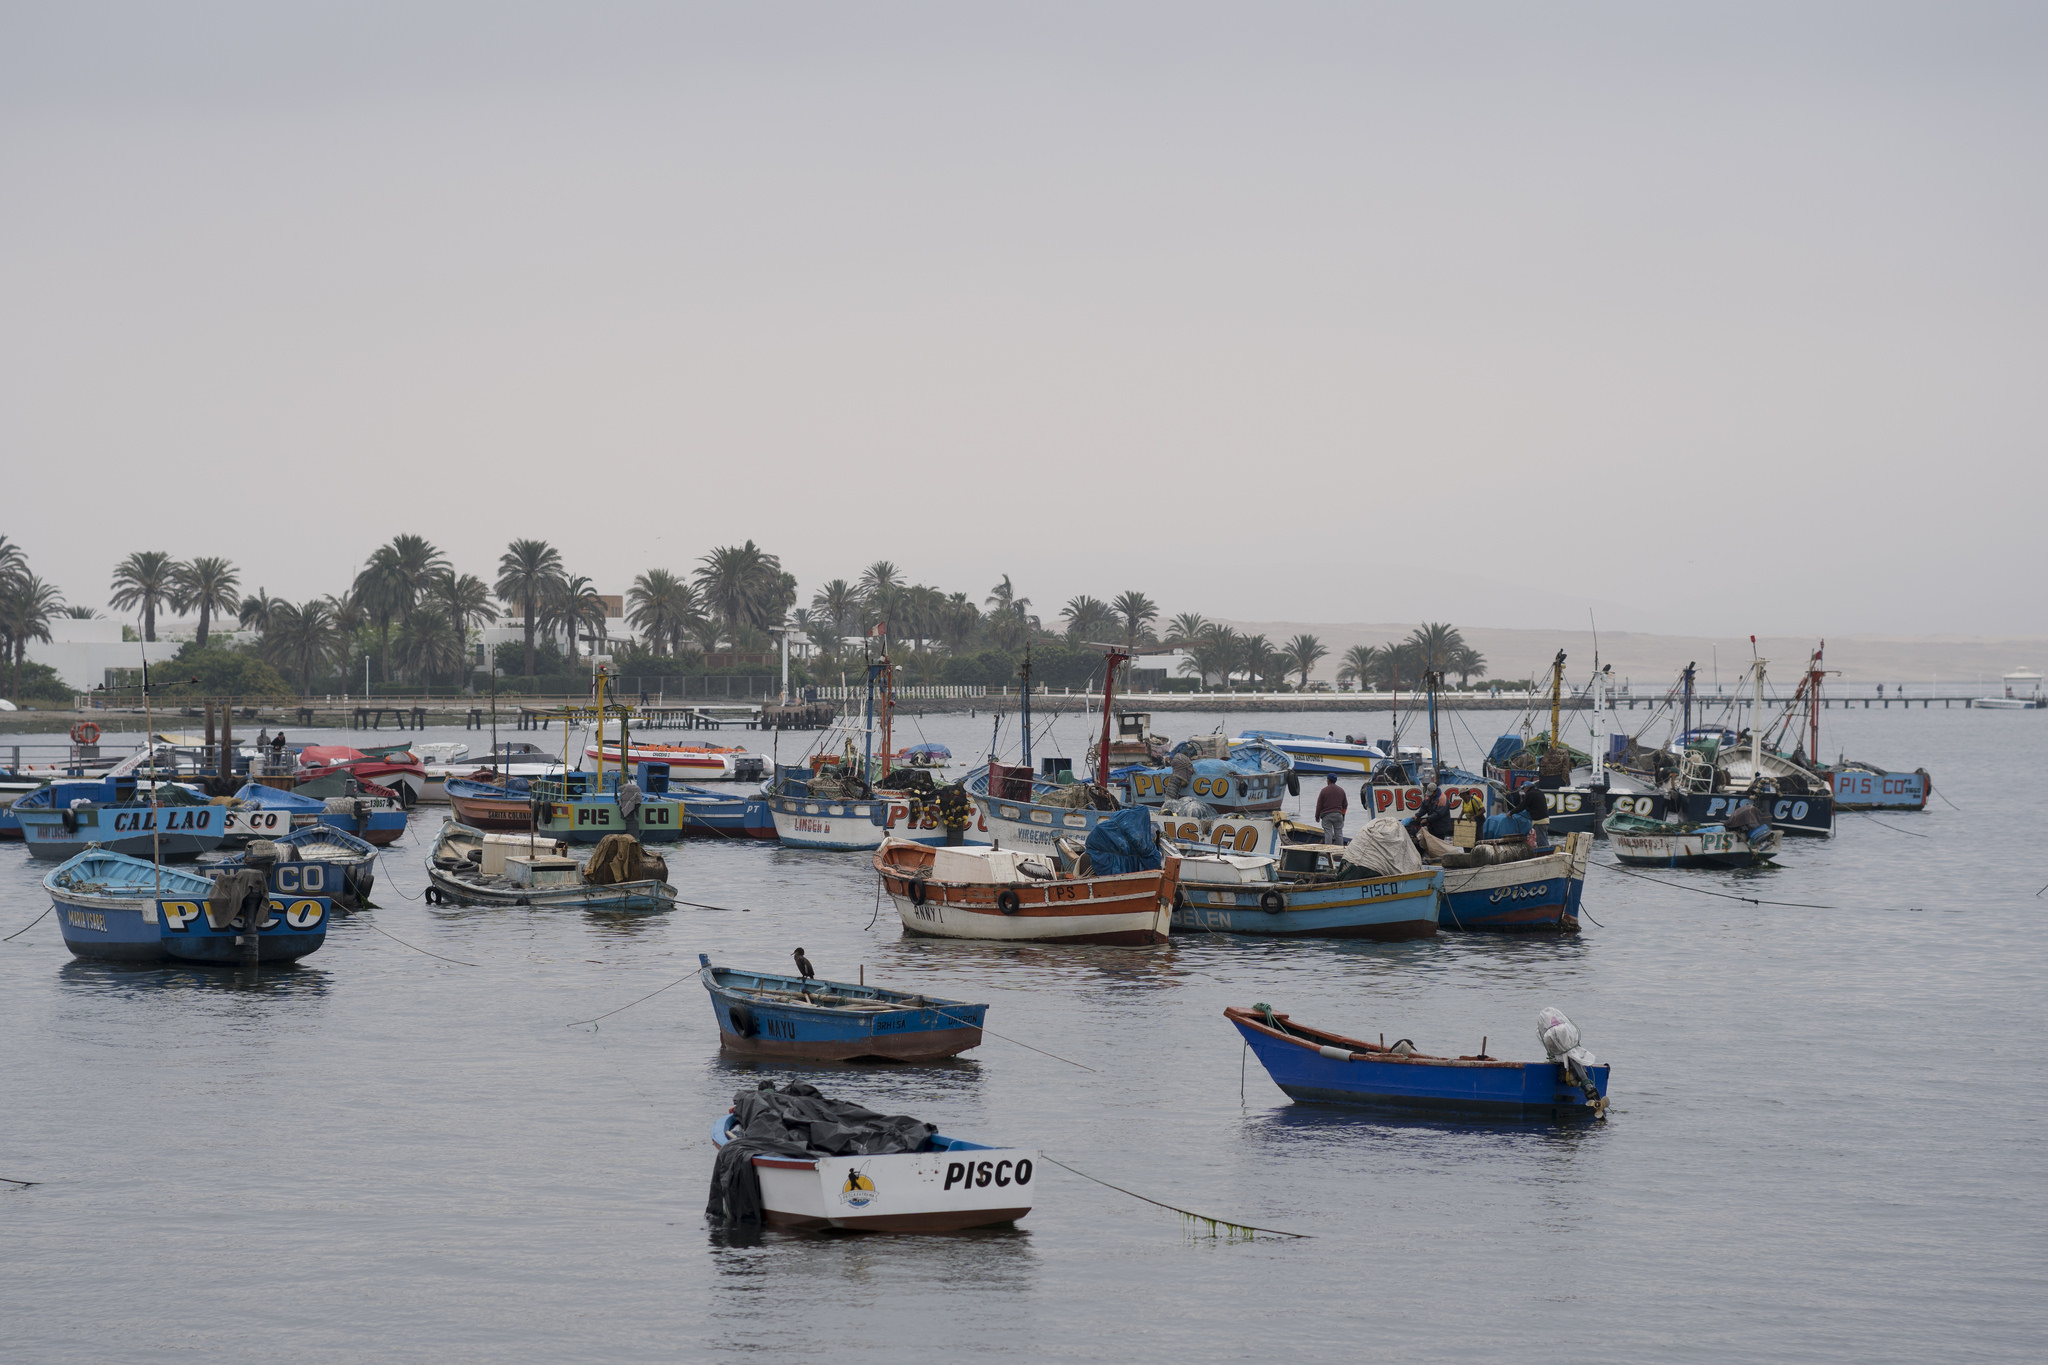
column 763, row 1016
column 963, row 1186
column 623, row 898
column 1860, row 789
column 1811, row 815
column 1536, row 893
column 501, row 815
column 137, row 831
column 723, row 815
column 127, row 928
column 1381, row 908
column 1434, row 1085
column 1702, row 848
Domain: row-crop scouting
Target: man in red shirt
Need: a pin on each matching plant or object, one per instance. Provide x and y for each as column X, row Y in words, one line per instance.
column 1331, row 806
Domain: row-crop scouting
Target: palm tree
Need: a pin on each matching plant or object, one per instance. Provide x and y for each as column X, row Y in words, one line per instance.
column 572, row 606
column 429, row 646
column 13, row 563
column 206, row 585
column 309, row 636
column 1360, row 666
column 258, row 611
column 1255, row 658
column 147, row 579
column 1303, row 653
column 81, row 612
column 957, row 620
column 743, row 584
column 1185, row 628
column 879, row 575
column 384, row 590
column 526, row 573
column 840, row 601
column 27, row 606
column 665, row 608
column 1085, row 616
column 1137, row 612
column 420, row 563
column 1467, row 662
column 1433, row 643
column 462, row 598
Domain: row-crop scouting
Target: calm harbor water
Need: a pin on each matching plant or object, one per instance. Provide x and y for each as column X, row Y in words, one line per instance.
column 1824, row 1145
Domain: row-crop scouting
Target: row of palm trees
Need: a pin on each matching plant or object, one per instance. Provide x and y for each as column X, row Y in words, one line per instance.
column 28, row 605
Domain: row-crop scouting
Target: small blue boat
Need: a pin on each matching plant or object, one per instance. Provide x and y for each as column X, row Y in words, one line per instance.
column 1256, row 777
column 723, row 813
column 1305, row 896
column 69, row 816
column 761, row 1014
column 1319, row 754
column 375, row 819
column 320, row 860
column 117, row 908
column 1542, row 892
column 1316, row 1066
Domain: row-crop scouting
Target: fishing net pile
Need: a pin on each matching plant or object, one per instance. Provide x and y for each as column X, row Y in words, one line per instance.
column 621, row 858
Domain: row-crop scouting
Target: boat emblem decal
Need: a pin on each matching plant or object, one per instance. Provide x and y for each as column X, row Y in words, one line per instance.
column 859, row 1190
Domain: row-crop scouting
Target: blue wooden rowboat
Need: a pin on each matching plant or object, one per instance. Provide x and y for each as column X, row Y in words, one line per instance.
column 724, row 813
column 114, row 907
column 761, row 1014
column 1317, row 1066
column 1537, row 893
column 1229, row 894
column 321, row 860
column 375, row 819
column 68, row 817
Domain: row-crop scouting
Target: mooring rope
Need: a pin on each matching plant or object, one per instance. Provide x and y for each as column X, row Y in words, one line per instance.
column 1752, row 900
column 1006, row 1038
column 630, row 1003
column 1246, row 1229
column 1882, row 825
column 416, row 948
column 10, row 1180
column 26, row 927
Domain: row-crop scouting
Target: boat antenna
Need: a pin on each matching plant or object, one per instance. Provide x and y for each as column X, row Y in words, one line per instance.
column 156, row 835
column 1025, row 669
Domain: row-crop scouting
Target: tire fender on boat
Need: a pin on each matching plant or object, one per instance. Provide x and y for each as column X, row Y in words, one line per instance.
column 1272, row 902
column 1008, row 901
column 915, row 889
column 743, row 1022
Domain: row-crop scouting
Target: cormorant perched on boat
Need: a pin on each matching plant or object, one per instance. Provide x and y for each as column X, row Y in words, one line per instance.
column 803, row 965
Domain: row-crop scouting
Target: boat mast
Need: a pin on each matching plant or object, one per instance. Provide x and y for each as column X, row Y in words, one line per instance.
column 1813, row 677
column 1599, row 719
column 1556, row 697
column 888, row 702
column 1687, row 677
column 1756, row 711
column 1113, row 658
column 1026, row 670
column 1432, row 679
column 156, row 834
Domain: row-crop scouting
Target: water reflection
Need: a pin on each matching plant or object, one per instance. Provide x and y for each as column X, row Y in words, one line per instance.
column 143, row 979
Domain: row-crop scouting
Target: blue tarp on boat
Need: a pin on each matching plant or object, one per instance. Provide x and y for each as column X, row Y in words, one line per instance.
column 1504, row 748
column 1123, row 842
column 1516, row 826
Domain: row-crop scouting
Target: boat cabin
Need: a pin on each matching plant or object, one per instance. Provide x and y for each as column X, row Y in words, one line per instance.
column 542, row 871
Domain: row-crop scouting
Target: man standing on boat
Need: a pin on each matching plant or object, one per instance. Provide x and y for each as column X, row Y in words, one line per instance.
column 629, row 804
column 1331, row 806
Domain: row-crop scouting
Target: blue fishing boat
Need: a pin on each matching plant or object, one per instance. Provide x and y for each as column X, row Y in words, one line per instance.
column 1347, row 757
column 117, row 908
column 166, row 821
column 583, row 807
column 350, row 863
column 1537, row 892
column 1308, row 891
column 376, row 820
column 1020, row 811
column 1317, row 1066
column 1226, row 777
column 762, row 1014
column 722, row 813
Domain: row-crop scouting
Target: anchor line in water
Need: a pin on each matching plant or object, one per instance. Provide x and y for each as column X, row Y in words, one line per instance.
column 1752, row 900
column 1006, row 1038
column 415, row 947
column 630, row 1003
column 1882, row 825
column 26, row 927
column 1246, row 1228
column 10, row 1180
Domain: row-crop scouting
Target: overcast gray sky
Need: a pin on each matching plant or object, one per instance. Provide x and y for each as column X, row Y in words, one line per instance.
column 1723, row 318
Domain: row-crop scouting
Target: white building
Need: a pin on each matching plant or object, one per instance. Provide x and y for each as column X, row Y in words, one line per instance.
column 83, row 651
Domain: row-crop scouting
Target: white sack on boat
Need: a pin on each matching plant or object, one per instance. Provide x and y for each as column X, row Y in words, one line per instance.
column 1383, row 845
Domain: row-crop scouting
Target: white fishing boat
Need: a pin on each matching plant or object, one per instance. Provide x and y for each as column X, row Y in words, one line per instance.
column 1013, row 896
column 1347, row 757
column 1675, row 843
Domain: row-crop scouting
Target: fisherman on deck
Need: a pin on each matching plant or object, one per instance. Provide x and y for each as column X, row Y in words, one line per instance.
column 1331, row 806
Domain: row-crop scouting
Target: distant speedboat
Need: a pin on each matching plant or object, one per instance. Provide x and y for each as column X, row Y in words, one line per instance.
column 761, row 1014
column 701, row 762
column 2021, row 691
column 1346, row 757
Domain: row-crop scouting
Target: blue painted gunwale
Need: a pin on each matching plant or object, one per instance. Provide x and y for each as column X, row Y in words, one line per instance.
column 923, row 1028
column 1376, row 1078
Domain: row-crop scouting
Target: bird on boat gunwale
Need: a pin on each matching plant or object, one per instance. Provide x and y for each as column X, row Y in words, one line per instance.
column 803, row 965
